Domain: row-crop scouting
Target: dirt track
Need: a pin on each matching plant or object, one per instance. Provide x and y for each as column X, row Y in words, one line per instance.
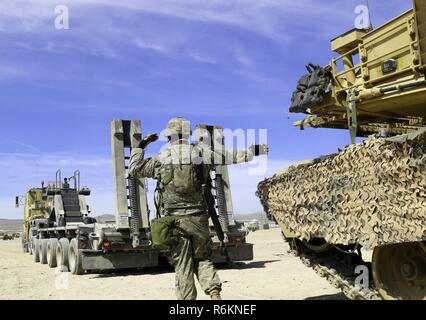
column 273, row 274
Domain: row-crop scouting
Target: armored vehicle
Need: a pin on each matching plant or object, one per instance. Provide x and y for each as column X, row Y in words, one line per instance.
column 371, row 195
column 253, row 225
column 7, row 235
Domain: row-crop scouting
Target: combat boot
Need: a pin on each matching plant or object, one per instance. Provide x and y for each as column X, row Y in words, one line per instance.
column 215, row 295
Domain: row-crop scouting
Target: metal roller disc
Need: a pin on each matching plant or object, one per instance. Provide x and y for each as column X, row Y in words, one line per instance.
column 399, row 271
column 317, row 245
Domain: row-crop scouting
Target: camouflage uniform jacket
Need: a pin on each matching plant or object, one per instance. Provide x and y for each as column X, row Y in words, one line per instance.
column 174, row 202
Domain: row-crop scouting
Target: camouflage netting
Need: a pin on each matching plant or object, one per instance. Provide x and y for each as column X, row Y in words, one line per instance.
column 373, row 193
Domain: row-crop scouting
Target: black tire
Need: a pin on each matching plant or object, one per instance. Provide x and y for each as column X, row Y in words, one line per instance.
column 36, row 249
column 24, row 245
column 61, row 222
column 51, row 252
column 317, row 245
column 30, row 246
column 75, row 258
column 30, row 241
column 43, row 250
column 62, row 249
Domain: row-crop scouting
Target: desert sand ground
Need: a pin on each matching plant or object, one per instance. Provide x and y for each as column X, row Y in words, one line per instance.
column 273, row 274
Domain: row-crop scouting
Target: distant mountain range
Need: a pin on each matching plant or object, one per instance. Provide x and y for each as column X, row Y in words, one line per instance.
column 11, row 225
column 16, row 224
column 260, row 216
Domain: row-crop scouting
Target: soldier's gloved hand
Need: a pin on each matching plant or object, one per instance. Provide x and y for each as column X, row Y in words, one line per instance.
column 259, row 149
column 152, row 137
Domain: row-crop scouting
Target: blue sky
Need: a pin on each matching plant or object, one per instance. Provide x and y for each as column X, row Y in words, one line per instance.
column 228, row 62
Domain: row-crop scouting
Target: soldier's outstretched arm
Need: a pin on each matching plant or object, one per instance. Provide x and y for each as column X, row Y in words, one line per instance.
column 140, row 167
column 215, row 157
column 238, row 156
column 241, row 156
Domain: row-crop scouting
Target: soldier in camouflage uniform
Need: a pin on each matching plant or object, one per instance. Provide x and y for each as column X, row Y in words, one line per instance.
column 180, row 194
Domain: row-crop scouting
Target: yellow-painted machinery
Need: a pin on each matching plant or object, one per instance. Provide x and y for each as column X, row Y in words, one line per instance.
column 371, row 195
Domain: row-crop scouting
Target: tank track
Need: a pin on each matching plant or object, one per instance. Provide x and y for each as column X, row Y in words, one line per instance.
column 337, row 268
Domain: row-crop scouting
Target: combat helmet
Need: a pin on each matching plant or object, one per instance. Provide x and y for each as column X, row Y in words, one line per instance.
column 178, row 126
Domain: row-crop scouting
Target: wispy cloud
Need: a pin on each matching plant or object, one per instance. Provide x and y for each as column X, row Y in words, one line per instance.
column 264, row 17
column 11, row 72
column 201, row 57
column 272, row 19
column 150, row 45
column 174, row 29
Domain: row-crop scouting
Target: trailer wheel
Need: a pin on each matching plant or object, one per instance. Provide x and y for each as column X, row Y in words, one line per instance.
column 62, row 249
column 36, row 249
column 30, row 241
column 75, row 258
column 51, row 252
column 43, row 250
column 30, row 246
column 24, row 245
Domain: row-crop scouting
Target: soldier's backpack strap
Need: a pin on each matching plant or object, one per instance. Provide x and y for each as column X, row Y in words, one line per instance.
column 158, row 198
column 211, row 205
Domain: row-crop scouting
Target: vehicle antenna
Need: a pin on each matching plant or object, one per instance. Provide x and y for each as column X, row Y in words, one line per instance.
column 369, row 16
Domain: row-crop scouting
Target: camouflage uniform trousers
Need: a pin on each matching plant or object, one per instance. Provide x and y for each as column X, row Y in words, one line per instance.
column 190, row 256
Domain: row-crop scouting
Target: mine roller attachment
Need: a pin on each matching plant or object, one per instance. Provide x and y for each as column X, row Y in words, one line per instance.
column 399, row 271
